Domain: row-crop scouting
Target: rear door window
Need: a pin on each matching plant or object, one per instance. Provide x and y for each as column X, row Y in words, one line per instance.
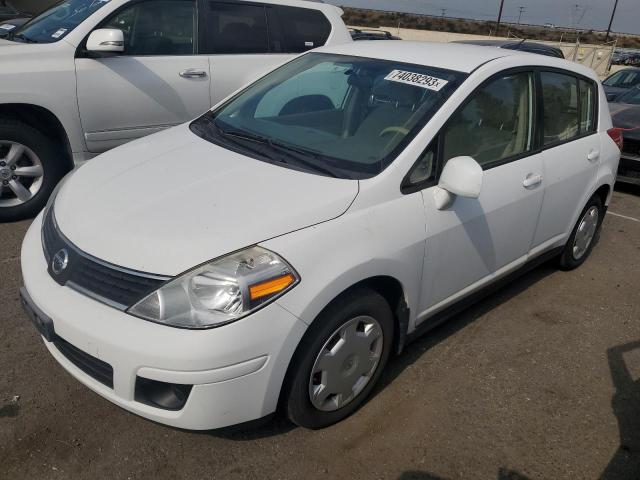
column 298, row 29
column 560, row 97
column 236, row 28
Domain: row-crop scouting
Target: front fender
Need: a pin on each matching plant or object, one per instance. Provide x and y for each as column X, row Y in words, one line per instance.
column 386, row 239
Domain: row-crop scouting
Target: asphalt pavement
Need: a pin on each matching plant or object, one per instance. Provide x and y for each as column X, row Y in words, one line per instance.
column 539, row 381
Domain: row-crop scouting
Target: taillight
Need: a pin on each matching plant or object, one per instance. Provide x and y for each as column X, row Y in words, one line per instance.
column 616, row 136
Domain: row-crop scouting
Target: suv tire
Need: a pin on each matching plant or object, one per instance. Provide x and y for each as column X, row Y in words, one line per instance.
column 31, row 171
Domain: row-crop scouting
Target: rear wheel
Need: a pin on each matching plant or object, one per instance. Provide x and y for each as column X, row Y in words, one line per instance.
column 30, row 168
column 340, row 359
column 584, row 236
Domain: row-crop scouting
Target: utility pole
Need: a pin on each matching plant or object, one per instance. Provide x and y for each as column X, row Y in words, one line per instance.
column 444, row 12
column 574, row 14
column 499, row 17
column 522, row 9
column 613, row 14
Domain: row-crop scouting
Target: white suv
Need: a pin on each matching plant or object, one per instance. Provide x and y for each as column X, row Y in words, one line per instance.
column 88, row 75
column 278, row 249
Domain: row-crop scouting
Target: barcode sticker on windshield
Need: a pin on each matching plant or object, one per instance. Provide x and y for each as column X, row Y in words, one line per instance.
column 7, row 26
column 59, row 33
column 417, row 80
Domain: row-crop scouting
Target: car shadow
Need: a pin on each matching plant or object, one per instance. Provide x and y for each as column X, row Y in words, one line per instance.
column 625, row 464
column 277, row 424
column 627, row 188
column 472, row 312
column 503, row 474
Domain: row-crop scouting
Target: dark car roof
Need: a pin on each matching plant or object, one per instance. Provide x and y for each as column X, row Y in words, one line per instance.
column 521, row 45
column 364, row 34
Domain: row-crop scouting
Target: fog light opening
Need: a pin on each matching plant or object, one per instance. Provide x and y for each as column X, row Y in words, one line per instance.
column 167, row 396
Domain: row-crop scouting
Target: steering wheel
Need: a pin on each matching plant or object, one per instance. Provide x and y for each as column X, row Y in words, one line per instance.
column 400, row 130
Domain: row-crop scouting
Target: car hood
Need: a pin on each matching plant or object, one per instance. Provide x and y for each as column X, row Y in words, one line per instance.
column 626, row 116
column 171, row 201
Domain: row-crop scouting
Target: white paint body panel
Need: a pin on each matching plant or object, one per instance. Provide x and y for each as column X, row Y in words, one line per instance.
column 171, row 201
column 233, row 202
column 138, row 96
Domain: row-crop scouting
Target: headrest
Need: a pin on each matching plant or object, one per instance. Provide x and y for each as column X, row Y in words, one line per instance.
column 395, row 94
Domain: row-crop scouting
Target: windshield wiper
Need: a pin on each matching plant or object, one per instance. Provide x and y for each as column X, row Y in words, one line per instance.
column 302, row 155
column 22, row 37
column 299, row 155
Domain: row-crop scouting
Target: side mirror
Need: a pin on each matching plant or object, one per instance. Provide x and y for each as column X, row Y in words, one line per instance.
column 461, row 176
column 106, row 40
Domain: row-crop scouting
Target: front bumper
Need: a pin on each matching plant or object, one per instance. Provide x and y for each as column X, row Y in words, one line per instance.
column 236, row 371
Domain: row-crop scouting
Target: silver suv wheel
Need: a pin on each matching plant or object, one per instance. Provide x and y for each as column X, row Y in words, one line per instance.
column 21, row 174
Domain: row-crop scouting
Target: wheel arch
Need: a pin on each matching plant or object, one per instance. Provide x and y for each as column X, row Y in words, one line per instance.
column 43, row 120
column 604, row 192
column 392, row 290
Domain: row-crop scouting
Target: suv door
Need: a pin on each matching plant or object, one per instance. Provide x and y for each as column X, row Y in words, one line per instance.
column 159, row 81
column 571, row 150
column 245, row 40
column 476, row 240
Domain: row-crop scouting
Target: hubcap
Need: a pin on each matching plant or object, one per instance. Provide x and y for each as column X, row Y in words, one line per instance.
column 346, row 363
column 21, row 174
column 585, row 233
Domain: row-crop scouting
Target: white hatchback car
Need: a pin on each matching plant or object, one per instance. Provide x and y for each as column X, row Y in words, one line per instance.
column 278, row 249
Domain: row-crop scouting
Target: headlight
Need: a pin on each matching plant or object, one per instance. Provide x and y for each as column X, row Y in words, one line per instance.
column 220, row 291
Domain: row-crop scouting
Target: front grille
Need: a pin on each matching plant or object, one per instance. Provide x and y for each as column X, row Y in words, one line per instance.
column 92, row 366
column 116, row 286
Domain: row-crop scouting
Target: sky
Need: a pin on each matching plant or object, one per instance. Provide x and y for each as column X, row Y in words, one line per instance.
column 588, row 13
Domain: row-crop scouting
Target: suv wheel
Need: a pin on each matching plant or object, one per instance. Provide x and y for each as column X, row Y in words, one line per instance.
column 584, row 236
column 340, row 359
column 30, row 168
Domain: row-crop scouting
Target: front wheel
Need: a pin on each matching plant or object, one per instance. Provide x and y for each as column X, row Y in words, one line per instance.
column 584, row 235
column 340, row 359
column 30, row 168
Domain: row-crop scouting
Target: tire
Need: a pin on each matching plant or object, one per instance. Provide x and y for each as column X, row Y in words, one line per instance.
column 362, row 311
column 575, row 253
column 37, row 151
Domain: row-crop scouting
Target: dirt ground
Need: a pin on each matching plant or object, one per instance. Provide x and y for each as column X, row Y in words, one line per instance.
column 539, row 381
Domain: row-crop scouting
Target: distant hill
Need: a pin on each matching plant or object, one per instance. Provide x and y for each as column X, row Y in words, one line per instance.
column 375, row 18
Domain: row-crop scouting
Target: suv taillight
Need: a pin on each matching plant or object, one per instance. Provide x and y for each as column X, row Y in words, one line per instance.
column 616, row 136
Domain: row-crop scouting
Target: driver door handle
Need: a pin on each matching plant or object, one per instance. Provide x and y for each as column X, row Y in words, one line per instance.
column 193, row 73
column 532, row 180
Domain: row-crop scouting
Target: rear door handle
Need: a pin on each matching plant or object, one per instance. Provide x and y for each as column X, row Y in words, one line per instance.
column 193, row 73
column 593, row 155
column 532, row 180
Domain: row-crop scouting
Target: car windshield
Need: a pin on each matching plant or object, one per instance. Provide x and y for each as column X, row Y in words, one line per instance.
column 335, row 115
column 623, row 78
column 631, row 97
column 7, row 8
column 57, row 22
